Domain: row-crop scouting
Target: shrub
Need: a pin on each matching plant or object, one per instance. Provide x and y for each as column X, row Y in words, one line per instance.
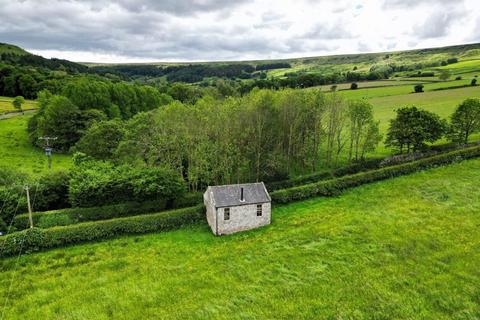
column 474, row 82
column 52, row 191
column 418, row 88
column 38, row 239
column 458, row 78
column 95, row 183
column 354, row 86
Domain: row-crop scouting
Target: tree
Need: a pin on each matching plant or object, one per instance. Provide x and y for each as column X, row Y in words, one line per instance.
column 418, row 88
column 474, row 82
column 364, row 132
column 413, row 127
column 465, row 121
column 17, row 103
column 445, row 75
column 101, row 140
column 60, row 118
column 354, row 86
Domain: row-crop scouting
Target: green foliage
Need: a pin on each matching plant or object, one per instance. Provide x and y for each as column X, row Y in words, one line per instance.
column 59, row 118
column 413, row 127
column 445, row 75
column 101, row 139
column 364, row 132
column 39, row 239
column 418, row 88
column 51, row 191
column 102, row 183
column 465, row 121
column 18, row 102
column 473, row 82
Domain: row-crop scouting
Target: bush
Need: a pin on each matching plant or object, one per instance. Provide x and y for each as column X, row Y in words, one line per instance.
column 336, row 186
column 474, row 82
column 354, row 86
column 418, row 88
column 95, row 183
column 52, row 191
column 458, row 78
column 38, row 239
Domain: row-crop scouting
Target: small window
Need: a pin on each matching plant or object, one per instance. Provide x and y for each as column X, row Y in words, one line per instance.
column 226, row 214
column 259, row 210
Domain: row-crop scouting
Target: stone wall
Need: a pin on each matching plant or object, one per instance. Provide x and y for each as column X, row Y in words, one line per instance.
column 211, row 211
column 243, row 218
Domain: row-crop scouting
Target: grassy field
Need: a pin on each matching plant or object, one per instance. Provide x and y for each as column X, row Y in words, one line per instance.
column 6, row 104
column 406, row 248
column 16, row 150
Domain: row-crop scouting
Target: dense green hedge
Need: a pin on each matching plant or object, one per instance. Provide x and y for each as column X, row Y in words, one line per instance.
column 69, row 216
column 39, row 239
column 315, row 177
column 336, row 186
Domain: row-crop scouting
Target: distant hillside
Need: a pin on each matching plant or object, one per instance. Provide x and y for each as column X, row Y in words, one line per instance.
column 13, row 55
column 11, row 49
column 366, row 66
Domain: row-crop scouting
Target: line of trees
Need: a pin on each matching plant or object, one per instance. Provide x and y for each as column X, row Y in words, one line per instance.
column 265, row 135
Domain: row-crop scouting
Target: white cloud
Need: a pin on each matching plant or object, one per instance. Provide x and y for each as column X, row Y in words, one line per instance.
column 198, row 30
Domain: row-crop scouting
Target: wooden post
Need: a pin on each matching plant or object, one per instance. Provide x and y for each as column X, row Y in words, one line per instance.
column 30, row 218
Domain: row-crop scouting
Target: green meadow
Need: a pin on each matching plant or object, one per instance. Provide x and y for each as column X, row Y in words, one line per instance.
column 406, row 248
column 16, row 150
column 6, row 105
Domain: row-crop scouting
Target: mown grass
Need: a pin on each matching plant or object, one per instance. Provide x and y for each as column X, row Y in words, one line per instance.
column 406, row 248
column 6, row 104
column 16, row 151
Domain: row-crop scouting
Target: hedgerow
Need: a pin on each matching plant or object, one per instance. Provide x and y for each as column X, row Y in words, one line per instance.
column 336, row 186
column 39, row 239
column 69, row 216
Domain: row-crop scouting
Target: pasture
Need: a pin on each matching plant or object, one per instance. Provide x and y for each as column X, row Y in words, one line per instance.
column 16, row 150
column 402, row 248
column 6, row 105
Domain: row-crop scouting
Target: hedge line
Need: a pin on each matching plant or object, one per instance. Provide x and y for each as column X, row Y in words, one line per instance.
column 37, row 239
column 369, row 164
column 70, row 216
column 336, row 186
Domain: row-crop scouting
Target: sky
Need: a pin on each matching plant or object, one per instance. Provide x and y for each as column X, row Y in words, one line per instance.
column 212, row 30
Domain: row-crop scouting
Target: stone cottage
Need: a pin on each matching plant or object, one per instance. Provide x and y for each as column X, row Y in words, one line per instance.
column 237, row 207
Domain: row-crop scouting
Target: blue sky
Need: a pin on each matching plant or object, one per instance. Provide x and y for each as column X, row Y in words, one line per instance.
column 206, row 30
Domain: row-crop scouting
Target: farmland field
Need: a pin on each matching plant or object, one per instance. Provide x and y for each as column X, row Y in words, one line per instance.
column 402, row 248
column 16, row 150
column 6, row 104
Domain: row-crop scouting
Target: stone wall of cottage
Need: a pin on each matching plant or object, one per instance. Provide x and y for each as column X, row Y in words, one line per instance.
column 211, row 211
column 243, row 218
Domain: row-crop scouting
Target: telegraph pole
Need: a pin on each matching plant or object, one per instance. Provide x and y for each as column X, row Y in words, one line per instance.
column 30, row 218
column 48, row 149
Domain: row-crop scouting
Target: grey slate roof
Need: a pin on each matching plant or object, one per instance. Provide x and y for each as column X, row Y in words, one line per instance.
column 229, row 195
